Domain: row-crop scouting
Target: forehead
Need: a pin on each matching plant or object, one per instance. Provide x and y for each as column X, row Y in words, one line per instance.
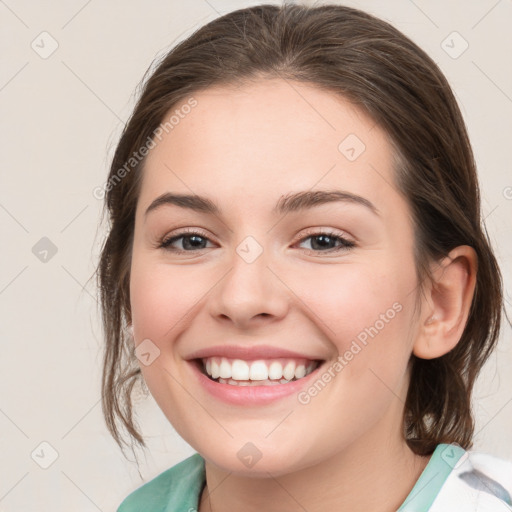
column 267, row 138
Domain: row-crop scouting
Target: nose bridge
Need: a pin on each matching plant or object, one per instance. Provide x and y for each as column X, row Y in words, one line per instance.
column 249, row 288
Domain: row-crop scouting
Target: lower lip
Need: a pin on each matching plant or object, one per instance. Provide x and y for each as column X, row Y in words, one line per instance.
column 251, row 395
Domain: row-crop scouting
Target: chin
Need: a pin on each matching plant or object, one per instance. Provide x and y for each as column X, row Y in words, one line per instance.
column 249, row 460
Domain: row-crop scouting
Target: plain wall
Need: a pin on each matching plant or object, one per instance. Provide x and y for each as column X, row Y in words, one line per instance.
column 61, row 118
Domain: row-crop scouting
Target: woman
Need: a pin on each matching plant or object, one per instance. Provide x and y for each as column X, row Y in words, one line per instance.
column 296, row 266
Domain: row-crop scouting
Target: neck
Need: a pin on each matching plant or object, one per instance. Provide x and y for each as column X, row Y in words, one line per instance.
column 374, row 473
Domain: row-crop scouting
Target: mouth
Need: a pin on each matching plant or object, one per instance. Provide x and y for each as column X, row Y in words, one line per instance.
column 260, row 372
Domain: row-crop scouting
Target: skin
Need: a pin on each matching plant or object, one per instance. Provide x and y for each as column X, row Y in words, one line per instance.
column 245, row 147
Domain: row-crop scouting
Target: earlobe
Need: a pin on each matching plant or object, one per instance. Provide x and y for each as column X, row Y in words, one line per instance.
column 447, row 304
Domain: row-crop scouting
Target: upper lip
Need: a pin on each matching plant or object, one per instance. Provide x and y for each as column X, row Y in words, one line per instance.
column 248, row 353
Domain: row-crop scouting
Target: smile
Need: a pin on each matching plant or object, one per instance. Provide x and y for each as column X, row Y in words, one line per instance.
column 253, row 375
column 261, row 372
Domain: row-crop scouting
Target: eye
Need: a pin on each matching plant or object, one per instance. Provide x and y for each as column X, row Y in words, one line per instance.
column 191, row 241
column 327, row 241
column 320, row 241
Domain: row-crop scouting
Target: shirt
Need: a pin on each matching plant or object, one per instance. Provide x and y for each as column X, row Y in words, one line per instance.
column 453, row 480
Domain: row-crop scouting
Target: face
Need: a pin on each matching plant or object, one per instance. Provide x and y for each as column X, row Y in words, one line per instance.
column 267, row 284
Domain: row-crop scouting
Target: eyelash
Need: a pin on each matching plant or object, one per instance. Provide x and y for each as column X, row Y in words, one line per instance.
column 165, row 243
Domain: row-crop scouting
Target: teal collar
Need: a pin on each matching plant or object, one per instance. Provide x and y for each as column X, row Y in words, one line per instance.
column 179, row 488
column 433, row 477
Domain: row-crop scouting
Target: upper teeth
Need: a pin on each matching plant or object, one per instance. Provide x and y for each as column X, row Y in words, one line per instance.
column 261, row 369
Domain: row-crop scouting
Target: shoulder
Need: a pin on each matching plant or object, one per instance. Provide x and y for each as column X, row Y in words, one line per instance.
column 477, row 482
column 177, row 488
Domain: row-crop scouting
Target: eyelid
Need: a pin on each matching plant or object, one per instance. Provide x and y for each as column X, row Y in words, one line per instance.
column 322, row 230
column 346, row 242
column 308, row 232
column 182, row 233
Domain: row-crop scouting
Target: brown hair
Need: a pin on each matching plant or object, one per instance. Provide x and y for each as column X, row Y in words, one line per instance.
column 367, row 61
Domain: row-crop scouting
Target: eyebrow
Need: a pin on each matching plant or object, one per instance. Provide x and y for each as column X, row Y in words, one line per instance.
column 289, row 203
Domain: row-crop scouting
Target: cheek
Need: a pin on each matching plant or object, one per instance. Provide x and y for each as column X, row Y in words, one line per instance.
column 162, row 297
column 162, row 301
column 346, row 299
column 365, row 311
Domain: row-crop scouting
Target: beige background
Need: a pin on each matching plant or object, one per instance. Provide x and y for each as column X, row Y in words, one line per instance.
column 61, row 117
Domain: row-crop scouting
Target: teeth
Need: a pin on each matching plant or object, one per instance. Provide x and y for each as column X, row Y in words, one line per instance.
column 215, row 369
column 300, row 371
column 289, row 371
column 275, row 370
column 259, row 371
column 239, row 370
column 225, row 369
column 266, row 372
column 265, row 382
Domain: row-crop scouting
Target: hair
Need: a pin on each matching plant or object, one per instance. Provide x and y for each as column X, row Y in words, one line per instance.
column 368, row 62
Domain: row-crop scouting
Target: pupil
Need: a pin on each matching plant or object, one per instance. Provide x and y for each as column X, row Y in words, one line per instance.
column 324, row 237
column 187, row 240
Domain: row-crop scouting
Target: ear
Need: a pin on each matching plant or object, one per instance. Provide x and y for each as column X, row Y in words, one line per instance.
column 447, row 303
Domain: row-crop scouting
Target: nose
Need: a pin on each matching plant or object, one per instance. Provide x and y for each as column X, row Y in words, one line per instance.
column 249, row 294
